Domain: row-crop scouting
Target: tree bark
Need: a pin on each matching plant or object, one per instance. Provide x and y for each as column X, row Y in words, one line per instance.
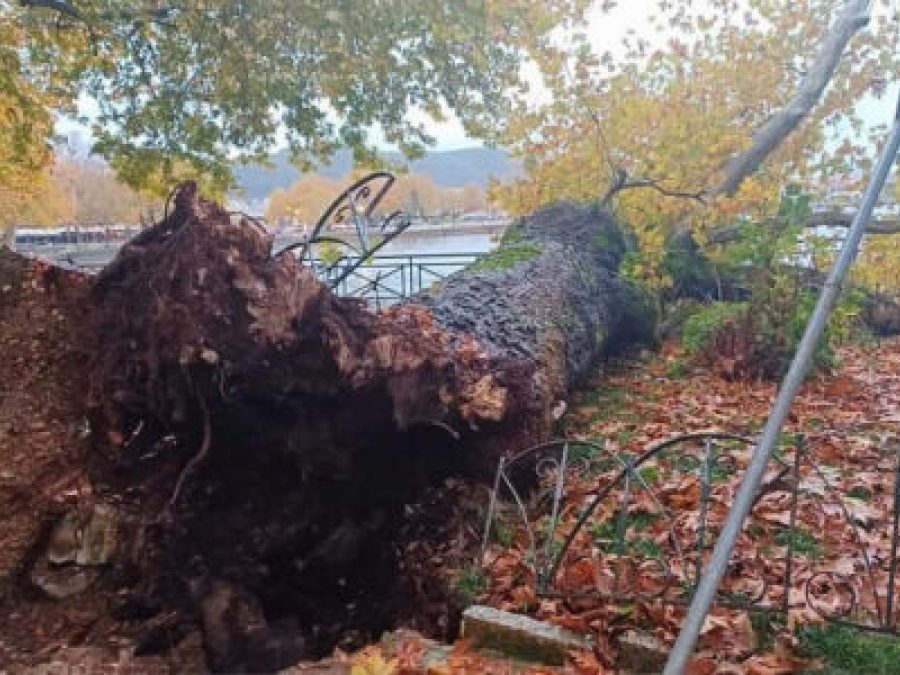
column 549, row 296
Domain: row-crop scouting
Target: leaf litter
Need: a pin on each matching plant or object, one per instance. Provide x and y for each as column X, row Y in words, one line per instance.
column 850, row 423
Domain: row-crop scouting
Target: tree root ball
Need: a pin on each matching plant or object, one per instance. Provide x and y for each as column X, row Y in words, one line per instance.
column 272, row 439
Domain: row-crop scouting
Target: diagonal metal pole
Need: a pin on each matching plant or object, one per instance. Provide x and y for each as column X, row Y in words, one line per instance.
column 743, row 502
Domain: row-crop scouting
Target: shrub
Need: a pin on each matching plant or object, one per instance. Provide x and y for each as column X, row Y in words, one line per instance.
column 758, row 339
column 702, row 329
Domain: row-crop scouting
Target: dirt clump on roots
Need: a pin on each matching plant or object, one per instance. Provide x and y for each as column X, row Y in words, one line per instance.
column 43, row 451
column 273, row 447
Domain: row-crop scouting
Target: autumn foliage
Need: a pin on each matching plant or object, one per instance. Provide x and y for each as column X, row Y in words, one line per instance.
column 651, row 123
column 305, row 200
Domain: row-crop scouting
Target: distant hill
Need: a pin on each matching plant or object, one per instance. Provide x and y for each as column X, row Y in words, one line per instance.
column 448, row 168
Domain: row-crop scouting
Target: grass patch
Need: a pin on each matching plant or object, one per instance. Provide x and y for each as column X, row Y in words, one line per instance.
column 694, row 466
column 849, row 652
column 650, row 474
column 861, row 493
column 580, row 452
column 602, row 532
column 766, row 626
column 646, row 548
column 603, row 404
column 719, row 473
column 609, row 539
column 503, row 533
column 677, row 369
column 470, row 583
column 506, row 257
column 641, row 521
column 804, row 542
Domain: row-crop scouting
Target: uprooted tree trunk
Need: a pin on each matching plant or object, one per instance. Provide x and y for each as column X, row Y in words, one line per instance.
column 275, row 440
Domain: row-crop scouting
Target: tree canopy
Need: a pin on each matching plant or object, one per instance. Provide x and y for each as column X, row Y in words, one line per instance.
column 669, row 111
column 187, row 89
column 200, row 85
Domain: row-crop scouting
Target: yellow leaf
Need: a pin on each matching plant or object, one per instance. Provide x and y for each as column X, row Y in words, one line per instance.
column 372, row 662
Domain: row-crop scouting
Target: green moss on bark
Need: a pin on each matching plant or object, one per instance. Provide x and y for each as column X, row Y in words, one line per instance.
column 506, row 257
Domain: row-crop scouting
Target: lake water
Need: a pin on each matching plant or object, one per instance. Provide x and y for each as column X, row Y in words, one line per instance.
column 407, row 265
column 429, row 244
column 439, row 243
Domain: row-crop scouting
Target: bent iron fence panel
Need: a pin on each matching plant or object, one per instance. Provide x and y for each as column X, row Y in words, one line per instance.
column 644, row 528
column 352, row 268
column 355, row 207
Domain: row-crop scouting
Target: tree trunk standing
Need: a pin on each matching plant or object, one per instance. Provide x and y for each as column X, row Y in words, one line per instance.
column 285, row 442
column 854, row 16
column 766, row 139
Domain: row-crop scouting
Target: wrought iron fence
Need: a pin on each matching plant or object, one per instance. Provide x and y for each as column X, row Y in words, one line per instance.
column 353, row 209
column 349, row 265
column 386, row 279
column 598, row 524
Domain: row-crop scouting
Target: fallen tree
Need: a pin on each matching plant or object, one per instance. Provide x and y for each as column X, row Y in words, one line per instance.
column 275, row 449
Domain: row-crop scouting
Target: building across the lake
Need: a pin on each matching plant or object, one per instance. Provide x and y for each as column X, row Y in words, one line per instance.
column 31, row 236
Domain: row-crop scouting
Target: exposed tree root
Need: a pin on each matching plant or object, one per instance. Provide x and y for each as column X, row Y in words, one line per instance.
column 197, row 459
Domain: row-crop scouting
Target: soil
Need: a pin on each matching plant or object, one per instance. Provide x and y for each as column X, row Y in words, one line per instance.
column 296, row 534
column 42, row 450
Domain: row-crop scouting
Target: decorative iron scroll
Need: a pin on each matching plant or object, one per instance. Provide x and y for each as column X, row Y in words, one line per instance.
column 353, row 209
column 591, row 522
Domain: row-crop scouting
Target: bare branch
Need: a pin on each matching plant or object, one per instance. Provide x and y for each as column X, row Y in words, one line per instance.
column 818, row 75
column 622, row 182
column 650, row 183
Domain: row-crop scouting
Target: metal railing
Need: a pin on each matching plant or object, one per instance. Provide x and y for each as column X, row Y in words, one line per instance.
column 646, row 529
column 384, row 280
